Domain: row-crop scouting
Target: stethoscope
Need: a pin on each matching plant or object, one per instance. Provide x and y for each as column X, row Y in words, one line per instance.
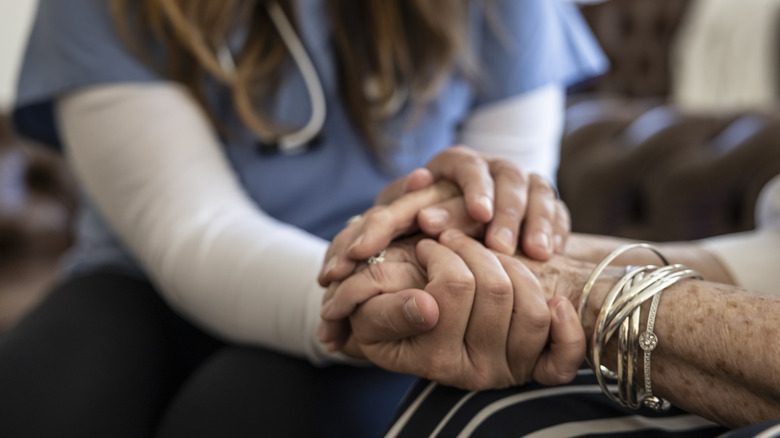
column 301, row 140
column 296, row 141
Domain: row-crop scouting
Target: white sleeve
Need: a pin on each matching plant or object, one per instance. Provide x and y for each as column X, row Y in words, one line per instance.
column 753, row 258
column 525, row 129
column 149, row 159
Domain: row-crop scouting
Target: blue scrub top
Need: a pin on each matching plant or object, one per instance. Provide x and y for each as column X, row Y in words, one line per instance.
column 73, row 45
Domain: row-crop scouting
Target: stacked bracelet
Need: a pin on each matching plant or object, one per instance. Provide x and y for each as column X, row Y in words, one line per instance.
column 620, row 315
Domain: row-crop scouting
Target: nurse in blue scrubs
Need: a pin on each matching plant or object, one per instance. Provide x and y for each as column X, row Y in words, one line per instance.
column 189, row 305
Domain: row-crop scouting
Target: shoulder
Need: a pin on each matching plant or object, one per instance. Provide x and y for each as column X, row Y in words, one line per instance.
column 73, row 16
column 74, row 44
column 525, row 44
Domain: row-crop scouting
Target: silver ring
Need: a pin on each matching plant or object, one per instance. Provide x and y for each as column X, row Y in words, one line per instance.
column 377, row 259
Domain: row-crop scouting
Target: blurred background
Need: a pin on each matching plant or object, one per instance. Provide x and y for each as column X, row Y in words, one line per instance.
column 674, row 143
column 37, row 198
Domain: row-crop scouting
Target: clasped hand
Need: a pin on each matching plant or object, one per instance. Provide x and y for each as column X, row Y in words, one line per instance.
column 453, row 310
column 457, row 313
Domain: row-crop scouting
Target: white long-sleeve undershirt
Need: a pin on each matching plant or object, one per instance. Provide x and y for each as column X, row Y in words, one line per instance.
column 525, row 129
column 149, row 160
column 753, row 257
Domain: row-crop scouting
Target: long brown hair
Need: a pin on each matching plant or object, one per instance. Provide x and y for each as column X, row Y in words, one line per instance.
column 394, row 45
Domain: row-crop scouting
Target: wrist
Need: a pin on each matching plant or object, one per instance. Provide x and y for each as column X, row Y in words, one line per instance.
column 566, row 277
column 598, row 294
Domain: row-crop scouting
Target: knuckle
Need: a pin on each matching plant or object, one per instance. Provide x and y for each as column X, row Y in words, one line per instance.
column 538, row 319
column 511, row 211
column 545, row 208
column 461, row 150
column 544, row 189
column 471, row 160
column 372, row 210
column 460, row 285
column 498, row 289
column 540, row 186
column 377, row 217
column 510, row 171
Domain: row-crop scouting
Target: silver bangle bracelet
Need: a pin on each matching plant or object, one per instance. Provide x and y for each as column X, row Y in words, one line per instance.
column 620, row 316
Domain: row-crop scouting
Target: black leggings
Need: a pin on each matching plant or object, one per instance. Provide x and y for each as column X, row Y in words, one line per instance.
column 105, row 356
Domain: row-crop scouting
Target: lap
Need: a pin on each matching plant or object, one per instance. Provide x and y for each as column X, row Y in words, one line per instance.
column 574, row 409
column 105, row 356
column 97, row 357
column 252, row 392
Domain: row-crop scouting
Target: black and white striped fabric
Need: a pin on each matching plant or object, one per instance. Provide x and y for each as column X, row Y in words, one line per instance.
column 575, row 409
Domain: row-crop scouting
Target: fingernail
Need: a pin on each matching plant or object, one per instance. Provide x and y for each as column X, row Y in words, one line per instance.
column 412, row 312
column 562, row 312
column 558, row 242
column 436, row 216
column 487, row 203
column 541, row 240
column 505, row 237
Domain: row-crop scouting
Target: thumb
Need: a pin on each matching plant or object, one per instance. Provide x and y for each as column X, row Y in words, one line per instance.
column 559, row 364
column 395, row 316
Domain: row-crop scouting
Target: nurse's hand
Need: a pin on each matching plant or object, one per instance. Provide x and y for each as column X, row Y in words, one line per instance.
column 495, row 193
column 377, row 227
column 493, row 325
column 499, row 202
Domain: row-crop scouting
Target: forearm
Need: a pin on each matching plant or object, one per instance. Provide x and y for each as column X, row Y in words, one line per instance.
column 717, row 354
column 593, row 248
column 148, row 159
column 715, row 397
column 525, row 130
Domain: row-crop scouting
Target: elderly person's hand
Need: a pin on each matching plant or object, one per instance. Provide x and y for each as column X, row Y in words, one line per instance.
column 493, row 323
column 498, row 201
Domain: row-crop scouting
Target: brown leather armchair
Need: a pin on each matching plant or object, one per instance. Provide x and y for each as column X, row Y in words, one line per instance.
column 634, row 165
column 37, row 198
column 37, row 203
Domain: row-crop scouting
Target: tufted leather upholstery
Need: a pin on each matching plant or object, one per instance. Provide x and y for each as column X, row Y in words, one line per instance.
column 37, row 203
column 662, row 175
column 636, row 36
column 633, row 165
